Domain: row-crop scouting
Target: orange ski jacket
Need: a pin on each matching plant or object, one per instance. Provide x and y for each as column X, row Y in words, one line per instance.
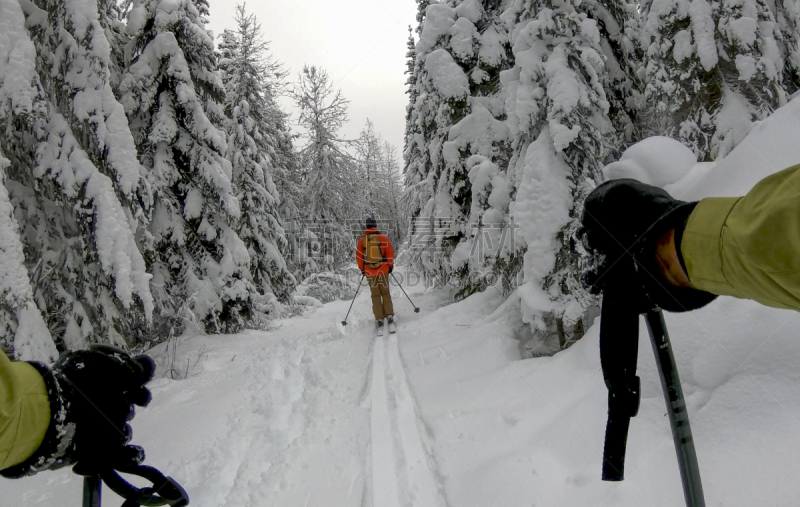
column 386, row 250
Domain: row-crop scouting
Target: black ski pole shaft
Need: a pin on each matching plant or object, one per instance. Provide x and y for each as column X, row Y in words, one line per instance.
column 92, row 486
column 344, row 322
column 678, row 415
column 416, row 310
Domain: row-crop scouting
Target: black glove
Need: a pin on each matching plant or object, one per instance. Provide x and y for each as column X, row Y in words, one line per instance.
column 364, row 272
column 92, row 393
column 391, row 268
column 623, row 220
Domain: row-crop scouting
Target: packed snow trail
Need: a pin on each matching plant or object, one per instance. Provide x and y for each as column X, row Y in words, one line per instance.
column 396, row 442
column 385, row 484
column 281, row 417
column 422, row 484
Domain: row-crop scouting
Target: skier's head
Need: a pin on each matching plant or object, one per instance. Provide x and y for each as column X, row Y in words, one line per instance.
column 371, row 223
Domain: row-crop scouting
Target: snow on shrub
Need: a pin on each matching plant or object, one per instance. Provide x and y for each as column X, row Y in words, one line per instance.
column 327, row 286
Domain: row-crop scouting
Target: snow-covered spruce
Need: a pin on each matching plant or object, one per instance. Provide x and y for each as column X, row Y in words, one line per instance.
column 498, row 91
column 78, row 239
column 247, row 72
column 74, row 64
column 173, row 93
column 710, row 72
column 452, row 127
column 20, row 319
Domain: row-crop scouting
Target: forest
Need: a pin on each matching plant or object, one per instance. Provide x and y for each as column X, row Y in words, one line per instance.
column 516, row 106
column 153, row 184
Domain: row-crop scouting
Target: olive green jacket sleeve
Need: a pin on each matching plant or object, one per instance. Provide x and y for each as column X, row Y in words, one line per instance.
column 749, row 247
column 24, row 411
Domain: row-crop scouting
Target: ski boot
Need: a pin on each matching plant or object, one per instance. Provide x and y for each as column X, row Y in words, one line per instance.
column 390, row 323
column 379, row 327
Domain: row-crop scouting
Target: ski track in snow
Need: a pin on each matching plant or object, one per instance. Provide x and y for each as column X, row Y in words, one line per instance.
column 384, row 456
column 306, row 415
column 401, row 471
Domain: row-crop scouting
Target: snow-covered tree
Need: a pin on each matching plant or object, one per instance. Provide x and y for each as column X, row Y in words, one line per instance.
column 21, row 324
column 618, row 23
column 710, row 71
column 787, row 16
column 558, row 114
column 330, row 191
column 436, row 186
column 246, row 69
column 173, row 93
column 393, row 190
column 377, row 172
column 111, row 19
column 71, row 163
column 369, row 162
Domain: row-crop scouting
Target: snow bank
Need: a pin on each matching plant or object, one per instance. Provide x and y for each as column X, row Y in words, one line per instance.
column 508, row 431
column 771, row 146
column 656, row 161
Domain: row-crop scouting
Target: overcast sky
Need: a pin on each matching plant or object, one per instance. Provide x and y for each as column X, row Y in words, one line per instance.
column 361, row 43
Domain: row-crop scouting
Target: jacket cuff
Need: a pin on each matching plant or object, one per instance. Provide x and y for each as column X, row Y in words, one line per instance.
column 701, row 245
column 56, row 440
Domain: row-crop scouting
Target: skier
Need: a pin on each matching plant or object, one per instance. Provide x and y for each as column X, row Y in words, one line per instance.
column 687, row 253
column 76, row 412
column 375, row 259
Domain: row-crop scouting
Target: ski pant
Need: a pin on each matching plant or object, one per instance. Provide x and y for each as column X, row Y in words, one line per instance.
column 381, row 299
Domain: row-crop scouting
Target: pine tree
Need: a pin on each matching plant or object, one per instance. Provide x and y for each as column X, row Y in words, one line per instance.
column 75, row 63
column 710, row 73
column 111, row 19
column 558, row 111
column 787, row 16
column 66, row 176
column 330, row 191
column 172, row 93
column 456, row 123
column 246, row 64
column 20, row 319
column 618, row 23
column 435, row 191
column 370, row 172
column 393, row 188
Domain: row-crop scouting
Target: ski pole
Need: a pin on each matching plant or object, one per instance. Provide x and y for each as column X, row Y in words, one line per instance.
column 416, row 310
column 92, row 486
column 344, row 322
column 678, row 416
column 619, row 337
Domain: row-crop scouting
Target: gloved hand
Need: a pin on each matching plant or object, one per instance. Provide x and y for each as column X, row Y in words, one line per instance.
column 364, row 272
column 92, row 393
column 391, row 268
column 623, row 220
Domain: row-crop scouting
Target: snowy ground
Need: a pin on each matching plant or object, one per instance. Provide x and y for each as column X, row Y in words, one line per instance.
column 446, row 413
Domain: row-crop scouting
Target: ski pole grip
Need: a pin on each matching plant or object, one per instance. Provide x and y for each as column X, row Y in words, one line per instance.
column 619, row 348
column 623, row 403
column 614, row 450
